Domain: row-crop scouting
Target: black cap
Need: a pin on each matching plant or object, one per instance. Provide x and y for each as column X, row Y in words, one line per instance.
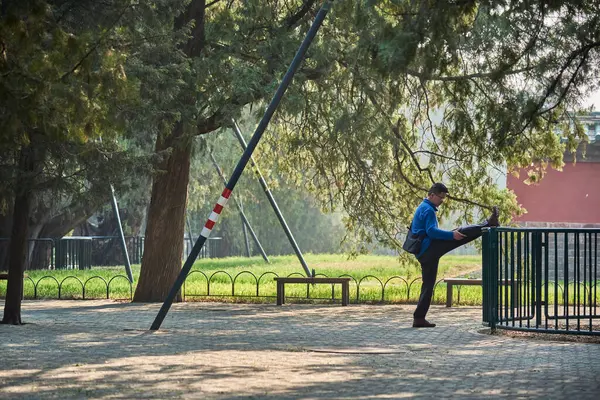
column 438, row 188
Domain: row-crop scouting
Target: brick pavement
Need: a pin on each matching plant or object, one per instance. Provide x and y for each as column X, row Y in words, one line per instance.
column 101, row 349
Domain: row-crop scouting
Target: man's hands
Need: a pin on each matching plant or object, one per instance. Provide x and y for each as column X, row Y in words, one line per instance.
column 457, row 235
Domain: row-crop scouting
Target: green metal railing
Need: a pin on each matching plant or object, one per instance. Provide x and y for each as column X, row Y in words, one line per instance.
column 83, row 252
column 73, row 253
column 543, row 280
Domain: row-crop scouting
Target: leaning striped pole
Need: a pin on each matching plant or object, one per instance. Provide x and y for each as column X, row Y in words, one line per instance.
column 264, row 122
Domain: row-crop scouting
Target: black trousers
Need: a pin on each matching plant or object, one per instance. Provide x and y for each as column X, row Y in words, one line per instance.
column 430, row 261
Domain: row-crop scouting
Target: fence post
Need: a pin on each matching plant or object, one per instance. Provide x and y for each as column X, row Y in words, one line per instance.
column 537, row 278
column 485, row 239
column 492, row 275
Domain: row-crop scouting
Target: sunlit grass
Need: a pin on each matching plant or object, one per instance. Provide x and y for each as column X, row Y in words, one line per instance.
column 218, row 277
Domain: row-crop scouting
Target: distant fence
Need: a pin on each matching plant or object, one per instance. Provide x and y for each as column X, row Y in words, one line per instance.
column 83, row 252
column 542, row 280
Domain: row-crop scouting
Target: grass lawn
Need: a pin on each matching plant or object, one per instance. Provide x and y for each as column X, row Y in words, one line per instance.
column 216, row 277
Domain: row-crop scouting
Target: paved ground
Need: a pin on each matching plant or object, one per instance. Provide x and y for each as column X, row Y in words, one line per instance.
column 101, row 349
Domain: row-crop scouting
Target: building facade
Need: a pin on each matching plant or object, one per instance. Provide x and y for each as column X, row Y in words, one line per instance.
column 566, row 199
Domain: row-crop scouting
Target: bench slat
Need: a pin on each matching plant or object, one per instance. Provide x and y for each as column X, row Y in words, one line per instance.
column 281, row 281
column 311, row 280
column 4, row 276
column 463, row 281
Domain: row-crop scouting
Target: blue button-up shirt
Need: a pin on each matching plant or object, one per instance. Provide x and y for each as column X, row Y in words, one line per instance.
column 425, row 223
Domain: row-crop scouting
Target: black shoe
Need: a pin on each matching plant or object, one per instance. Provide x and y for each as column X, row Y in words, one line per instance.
column 422, row 323
column 493, row 219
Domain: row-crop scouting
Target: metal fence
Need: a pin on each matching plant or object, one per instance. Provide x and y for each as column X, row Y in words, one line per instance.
column 73, row 253
column 542, row 280
column 106, row 250
column 83, row 252
column 378, row 286
column 58, row 287
column 40, row 252
column 365, row 289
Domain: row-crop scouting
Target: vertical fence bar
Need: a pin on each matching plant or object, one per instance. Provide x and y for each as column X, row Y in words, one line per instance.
column 70, row 256
column 585, row 267
column 506, row 277
column 538, row 278
column 546, row 272
column 556, row 298
column 595, row 272
column 577, row 290
column 500, row 277
column 590, row 278
column 527, row 260
column 566, row 279
column 512, row 278
column 485, row 274
column 494, row 272
column 520, row 278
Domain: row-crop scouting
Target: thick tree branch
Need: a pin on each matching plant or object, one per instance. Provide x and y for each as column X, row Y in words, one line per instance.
column 292, row 20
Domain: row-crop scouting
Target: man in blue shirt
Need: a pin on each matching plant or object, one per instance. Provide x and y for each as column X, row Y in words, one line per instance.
column 437, row 242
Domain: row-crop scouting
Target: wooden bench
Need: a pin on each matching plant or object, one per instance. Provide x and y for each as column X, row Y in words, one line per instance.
column 345, row 282
column 471, row 282
column 4, row 276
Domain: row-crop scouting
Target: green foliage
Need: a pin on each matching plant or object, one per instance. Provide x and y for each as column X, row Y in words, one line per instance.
column 418, row 92
column 313, row 230
column 63, row 88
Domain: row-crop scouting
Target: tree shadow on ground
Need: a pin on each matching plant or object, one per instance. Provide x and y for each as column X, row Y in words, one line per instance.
column 101, row 349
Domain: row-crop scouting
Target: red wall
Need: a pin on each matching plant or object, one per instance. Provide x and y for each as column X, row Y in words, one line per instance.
column 570, row 195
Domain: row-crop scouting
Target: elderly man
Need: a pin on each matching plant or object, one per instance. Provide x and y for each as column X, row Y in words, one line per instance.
column 437, row 242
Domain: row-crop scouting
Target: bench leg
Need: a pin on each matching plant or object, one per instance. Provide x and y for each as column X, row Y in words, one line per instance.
column 279, row 293
column 345, row 293
column 449, row 295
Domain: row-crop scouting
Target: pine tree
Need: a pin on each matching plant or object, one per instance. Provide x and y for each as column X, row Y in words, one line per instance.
column 61, row 91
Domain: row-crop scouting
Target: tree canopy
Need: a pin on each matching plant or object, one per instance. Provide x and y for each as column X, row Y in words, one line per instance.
column 418, row 92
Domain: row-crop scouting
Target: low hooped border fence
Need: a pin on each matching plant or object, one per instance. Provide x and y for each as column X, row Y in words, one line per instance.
column 410, row 288
column 82, row 284
column 257, row 279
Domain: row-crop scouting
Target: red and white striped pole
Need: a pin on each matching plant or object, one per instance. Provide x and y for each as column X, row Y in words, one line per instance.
column 262, row 125
column 216, row 212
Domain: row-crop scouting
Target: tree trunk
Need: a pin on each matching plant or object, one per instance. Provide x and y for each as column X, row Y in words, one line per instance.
column 163, row 243
column 163, row 246
column 33, row 260
column 6, row 217
column 18, row 242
